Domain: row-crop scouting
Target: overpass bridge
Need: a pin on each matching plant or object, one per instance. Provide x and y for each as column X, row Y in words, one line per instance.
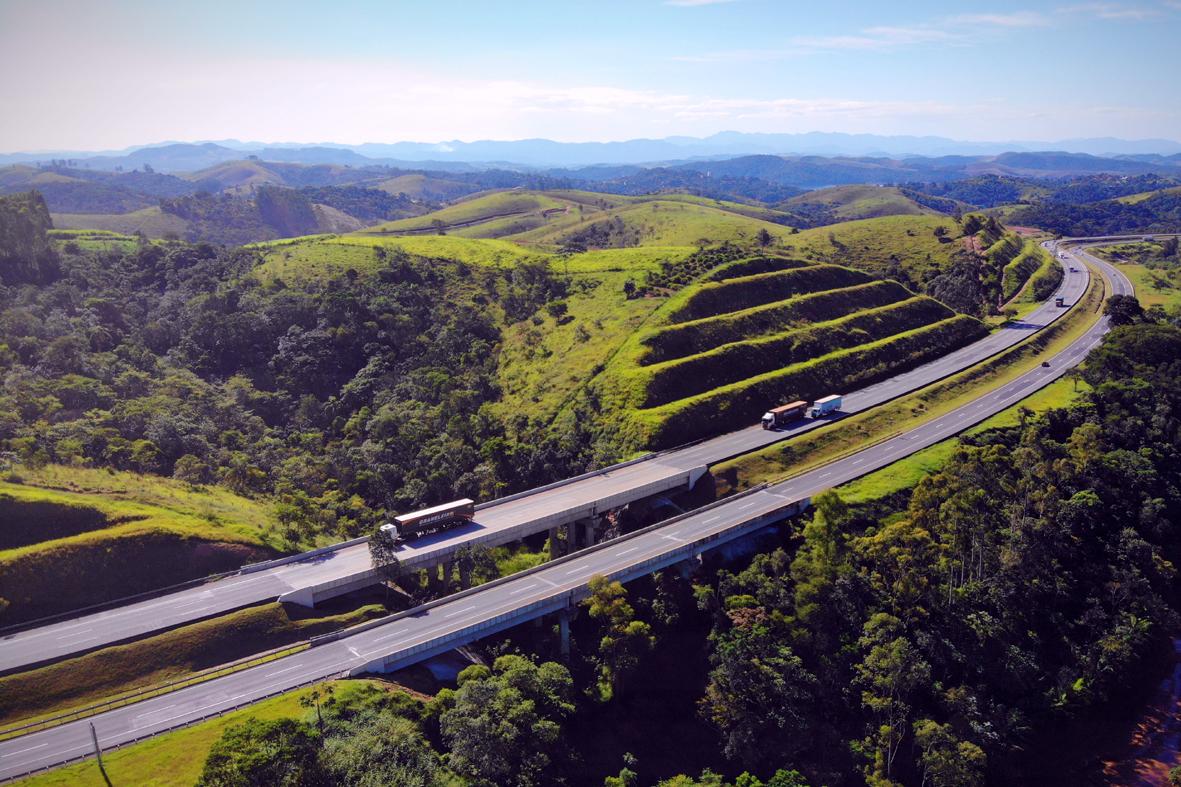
column 409, row 637
column 576, row 505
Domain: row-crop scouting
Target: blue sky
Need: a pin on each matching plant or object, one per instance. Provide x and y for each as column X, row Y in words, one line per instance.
column 105, row 75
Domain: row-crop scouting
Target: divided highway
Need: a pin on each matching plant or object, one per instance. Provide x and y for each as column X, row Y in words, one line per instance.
column 496, row 522
column 408, row 637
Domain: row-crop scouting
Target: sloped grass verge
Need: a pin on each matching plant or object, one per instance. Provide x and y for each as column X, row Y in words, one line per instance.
column 737, row 361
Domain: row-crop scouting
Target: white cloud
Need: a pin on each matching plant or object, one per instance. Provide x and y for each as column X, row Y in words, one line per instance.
column 1112, row 11
column 962, row 29
column 1017, row 19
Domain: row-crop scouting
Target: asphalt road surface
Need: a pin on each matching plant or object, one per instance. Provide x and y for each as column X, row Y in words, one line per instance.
column 75, row 636
column 453, row 617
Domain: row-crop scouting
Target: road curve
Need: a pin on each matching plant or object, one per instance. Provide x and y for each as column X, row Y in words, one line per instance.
column 476, row 610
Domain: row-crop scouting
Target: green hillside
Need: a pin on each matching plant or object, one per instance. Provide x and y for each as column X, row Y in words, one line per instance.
column 555, row 219
column 70, row 534
column 846, row 203
column 152, row 222
column 714, row 356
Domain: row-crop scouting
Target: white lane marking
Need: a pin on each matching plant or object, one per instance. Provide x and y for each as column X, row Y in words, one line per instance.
column 281, row 671
column 578, row 570
column 391, row 635
column 458, row 612
column 825, row 475
column 626, row 552
column 23, row 751
column 858, row 461
column 671, row 536
column 518, row 591
column 711, row 519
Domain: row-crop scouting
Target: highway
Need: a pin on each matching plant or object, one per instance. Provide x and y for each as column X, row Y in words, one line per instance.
column 414, row 635
column 497, row 522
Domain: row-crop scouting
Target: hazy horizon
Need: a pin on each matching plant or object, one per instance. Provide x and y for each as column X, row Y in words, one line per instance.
column 120, row 75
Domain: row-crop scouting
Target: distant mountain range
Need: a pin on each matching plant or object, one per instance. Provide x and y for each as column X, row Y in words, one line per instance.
column 456, row 156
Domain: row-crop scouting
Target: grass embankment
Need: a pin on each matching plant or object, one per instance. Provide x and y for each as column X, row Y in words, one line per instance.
column 177, row 757
column 78, row 536
column 856, row 432
column 729, row 363
column 175, row 655
column 908, row 471
column 735, row 405
column 1157, row 278
column 686, row 338
column 730, row 295
column 880, row 245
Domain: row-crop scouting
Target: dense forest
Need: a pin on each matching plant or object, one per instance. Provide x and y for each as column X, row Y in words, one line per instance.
column 345, row 397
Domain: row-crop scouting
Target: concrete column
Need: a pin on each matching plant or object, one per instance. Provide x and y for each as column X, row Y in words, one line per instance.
column 448, row 569
column 554, row 547
column 564, row 632
column 588, row 532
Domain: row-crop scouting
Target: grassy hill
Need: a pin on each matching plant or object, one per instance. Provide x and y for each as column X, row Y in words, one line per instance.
column 553, row 219
column 845, row 203
column 152, row 222
column 72, row 534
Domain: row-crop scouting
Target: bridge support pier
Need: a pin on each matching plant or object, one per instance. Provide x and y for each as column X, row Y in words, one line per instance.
column 448, row 567
column 585, row 531
column 564, row 632
column 555, row 548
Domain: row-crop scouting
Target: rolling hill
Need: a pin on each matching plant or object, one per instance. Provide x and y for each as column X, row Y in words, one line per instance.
column 844, row 203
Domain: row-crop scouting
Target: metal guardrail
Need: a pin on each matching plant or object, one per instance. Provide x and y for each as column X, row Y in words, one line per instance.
column 174, row 727
column 138, row 695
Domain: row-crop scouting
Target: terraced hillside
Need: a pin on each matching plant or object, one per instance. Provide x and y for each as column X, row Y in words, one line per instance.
column 764, row 330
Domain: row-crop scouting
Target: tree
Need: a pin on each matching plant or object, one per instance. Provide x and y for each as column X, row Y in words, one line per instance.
column 383, row 552
column 890, row 673
column 503, row 726
column 476, row 564
column 378, row 748
column 190, row 470
column 947, row 762
column 1169, row 247
column 764, row 238
column 320, row 694
column 759, row 697
column 625, row 640
column 260, row 753
column 1123, row 309
column 627, row 777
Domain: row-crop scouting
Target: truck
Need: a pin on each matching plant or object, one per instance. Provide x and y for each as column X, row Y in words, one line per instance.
column 778, row 416
column 433, row 519
column 825, row 406
column 1059, row 301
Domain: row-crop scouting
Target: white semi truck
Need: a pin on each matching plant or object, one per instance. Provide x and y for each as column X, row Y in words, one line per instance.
column 825, row 406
